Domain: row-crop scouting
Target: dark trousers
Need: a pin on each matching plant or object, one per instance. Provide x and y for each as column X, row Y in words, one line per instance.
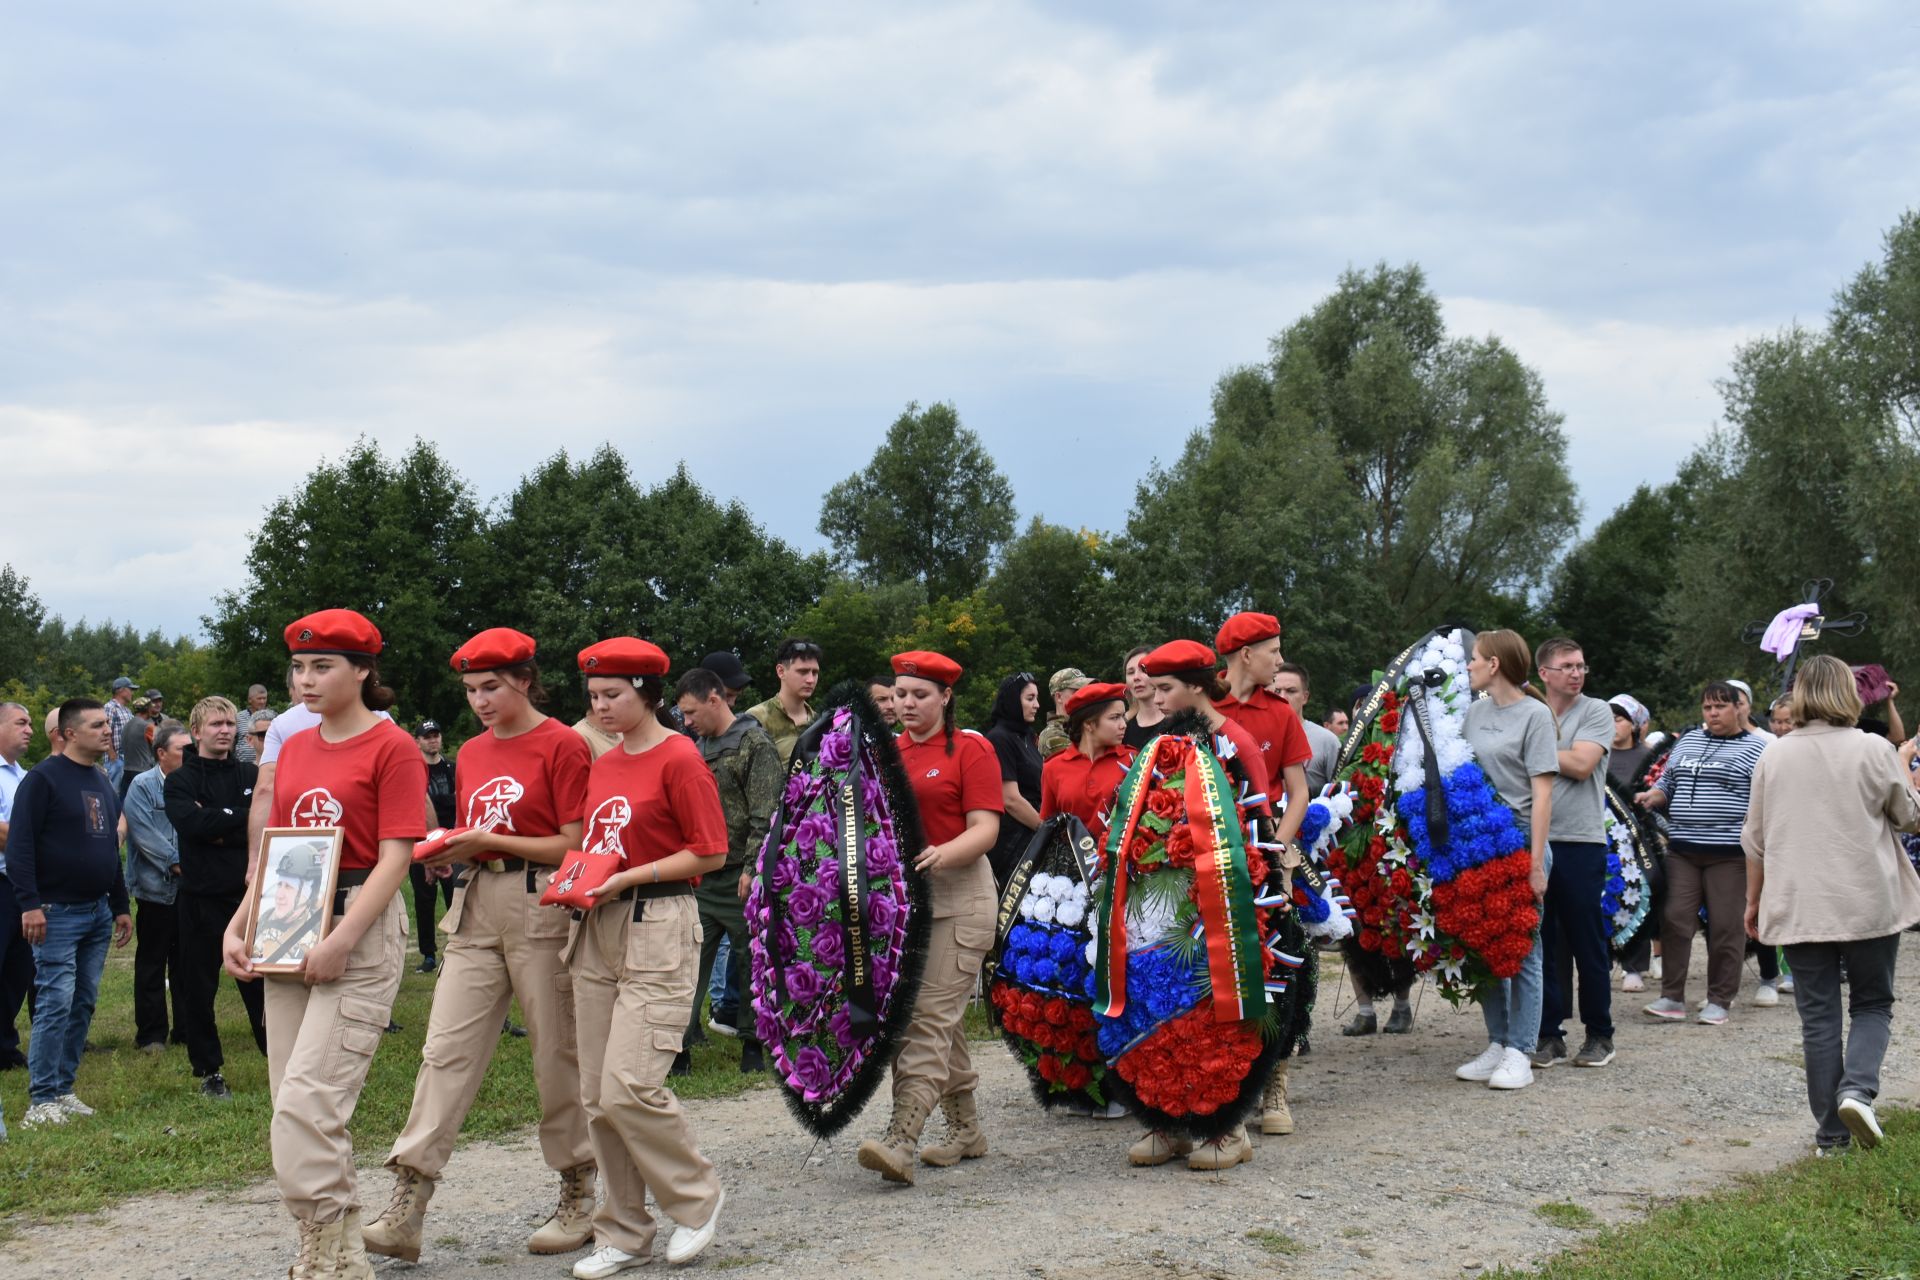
column 1573, row 922
column 156, row 958
column 16, row 973
column 202, row 919
column 424, row 893
column 1835, row 1071
column 1719, row 882
column 718, row 919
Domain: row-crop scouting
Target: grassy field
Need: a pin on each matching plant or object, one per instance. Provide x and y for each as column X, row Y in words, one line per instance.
column 1856, row 1216
column 154, row 1132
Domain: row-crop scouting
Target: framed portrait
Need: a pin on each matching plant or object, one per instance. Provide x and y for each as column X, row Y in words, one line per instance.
column 295, row 872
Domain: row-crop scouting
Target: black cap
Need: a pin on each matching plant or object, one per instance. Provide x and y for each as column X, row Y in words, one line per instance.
column 427, row 727
column 732, row 672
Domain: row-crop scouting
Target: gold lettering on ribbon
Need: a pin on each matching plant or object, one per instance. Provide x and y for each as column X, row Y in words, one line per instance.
column 1223, row 871
column 856, row 922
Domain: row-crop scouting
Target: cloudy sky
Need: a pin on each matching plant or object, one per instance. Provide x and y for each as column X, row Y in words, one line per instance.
column 746, row 235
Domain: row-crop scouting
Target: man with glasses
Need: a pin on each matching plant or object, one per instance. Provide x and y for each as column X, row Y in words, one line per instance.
column 246, row 747
column 1574, row 933
column 797, row 666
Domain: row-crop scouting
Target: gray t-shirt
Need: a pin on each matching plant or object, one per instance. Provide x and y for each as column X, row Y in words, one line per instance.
column 1325, row 745
column 1513, row 744
column 1578, row 805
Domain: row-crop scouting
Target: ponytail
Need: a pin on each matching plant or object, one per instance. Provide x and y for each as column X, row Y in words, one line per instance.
column 373, row 695
column 946, row 720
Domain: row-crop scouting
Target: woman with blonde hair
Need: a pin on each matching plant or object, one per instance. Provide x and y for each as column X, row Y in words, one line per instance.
column 1828, row 880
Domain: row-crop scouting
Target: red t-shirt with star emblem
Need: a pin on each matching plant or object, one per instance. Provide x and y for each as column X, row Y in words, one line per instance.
column 1275, row 729
column 652, row 805
column 948, row 787
column 1071, row 783
column 373, row 787
column 528, row 785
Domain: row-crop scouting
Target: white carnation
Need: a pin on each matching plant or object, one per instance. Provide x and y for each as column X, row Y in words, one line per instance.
column 1043, row 910
column 1070, row 913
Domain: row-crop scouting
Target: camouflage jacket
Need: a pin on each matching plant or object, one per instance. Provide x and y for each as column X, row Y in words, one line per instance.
column 747, row 767
column 1053, row 738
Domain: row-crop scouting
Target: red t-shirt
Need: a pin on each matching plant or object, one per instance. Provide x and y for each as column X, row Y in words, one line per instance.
column 1247, row 752
column 650, row 806
column 529, row 785
column 373, row 786
column 1071, row 783
column 948, row 787
column 1275, row 727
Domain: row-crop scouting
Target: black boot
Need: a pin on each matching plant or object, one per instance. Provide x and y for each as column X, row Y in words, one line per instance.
column 752, row 1060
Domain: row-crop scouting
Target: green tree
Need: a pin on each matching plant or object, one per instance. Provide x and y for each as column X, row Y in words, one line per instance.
column 392, row 539
column 187, row 675
column 1054, row 585
column 931, row 506
column 1449, row 445
column 974, row 632
column 21, row 615
column 855, row 625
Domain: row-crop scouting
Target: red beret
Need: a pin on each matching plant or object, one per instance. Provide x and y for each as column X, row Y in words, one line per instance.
column 334, row 631
column 623, row 656
column 1178, row 655
column 492, row 649
column 937, row 667
column 1243, row 629
column 1088, row 694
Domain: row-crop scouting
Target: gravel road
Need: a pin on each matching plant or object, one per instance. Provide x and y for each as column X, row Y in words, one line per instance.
column 1397, row 1170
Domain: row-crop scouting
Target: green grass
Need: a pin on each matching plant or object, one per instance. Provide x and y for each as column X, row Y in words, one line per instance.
column 154, row 1132
column 1562, row 1214
column 1856, row 1215
column 1275, row 1242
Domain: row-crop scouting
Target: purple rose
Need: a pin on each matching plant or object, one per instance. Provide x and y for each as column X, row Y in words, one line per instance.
column 885, row 914
column 807, row 904
column 842, row 1027
column 799, row 788
column 786, row 874
column 874, row 796
column 804, row 984
column 884, row 969
column 766, row 1027
column 829, row 946
column 836, row 751
column 814, row 830
column 787, row 941
column 827, row 871
column 883, row 856
column 811, row 1074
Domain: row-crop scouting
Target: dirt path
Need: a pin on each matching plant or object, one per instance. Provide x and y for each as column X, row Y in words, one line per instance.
column 1397, row 1170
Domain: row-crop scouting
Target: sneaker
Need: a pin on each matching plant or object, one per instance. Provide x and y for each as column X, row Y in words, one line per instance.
column 1483, row 1066
column 1829, row 1152
column 215, row 1086
column 720, row 1028
column 1550, row 1051
column 1785, row 985
column 682, row 1064
column 608, row 1261
column 41, row 1113
column 1400, row 1021
column 1363, row 1024
column 1857, row 1115
column 1632, row 982
column 154, row 1048
column 1666, row 1010
column 429, row 964
column 1653, row 970
column 1766, row 996
column 1713, row 1015
column 72, row 1105
column 687, row 1243
column 1597, row 1051
column 1514, row 1072
column 512, row 1028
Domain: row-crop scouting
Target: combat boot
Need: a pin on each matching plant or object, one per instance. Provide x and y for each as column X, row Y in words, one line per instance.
column 396, row 1232
column 1158, row 1148
column 1275, row 1116
column 350, row 1257
column 307, row 1265
column 892, row 1156
column 1223, row 1152
column 571, row 1226
column 964, row 1139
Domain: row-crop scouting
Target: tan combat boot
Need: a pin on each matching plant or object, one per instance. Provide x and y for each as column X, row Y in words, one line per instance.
column 350, row 1260
column 396, row 1232
column 1158, row 1148
column 307, row 1265
column 1223, row 1152
column 1275, row 1116
column 964, row 1139
column 571, row 1226
column 892, row 1156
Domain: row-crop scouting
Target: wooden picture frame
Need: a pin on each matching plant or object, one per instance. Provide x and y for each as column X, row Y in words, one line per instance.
column 296, row 871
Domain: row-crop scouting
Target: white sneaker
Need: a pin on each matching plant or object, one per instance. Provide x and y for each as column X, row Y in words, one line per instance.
column 608, row 1261
column 1785, row 985
column 1483, row 1066
column 1514, row 1072
column 44, row 1113
column 1713, row 1015
column 687, row 1242
column 1632, row 982
column 72, row 1105
column 1653, row 970
column 1766, row 996
column 1670, row 1010
column 1857, row 1115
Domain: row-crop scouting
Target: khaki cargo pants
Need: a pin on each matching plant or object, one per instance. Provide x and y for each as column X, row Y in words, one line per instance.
column 932, row 1062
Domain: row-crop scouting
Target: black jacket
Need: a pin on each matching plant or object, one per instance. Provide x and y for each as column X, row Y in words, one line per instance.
column 207, row 802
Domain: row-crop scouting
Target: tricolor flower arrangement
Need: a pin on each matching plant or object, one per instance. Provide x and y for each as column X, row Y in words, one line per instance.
column 1040, row 976
column 837, row 933
column 1626, row 901
column 1202, row 976
column 1450, row 896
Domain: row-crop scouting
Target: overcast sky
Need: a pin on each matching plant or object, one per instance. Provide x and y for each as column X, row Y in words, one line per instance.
column 235, row 236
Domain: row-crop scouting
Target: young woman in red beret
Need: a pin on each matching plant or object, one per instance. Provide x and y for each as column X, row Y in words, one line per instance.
column 955, row 777
column 362, row 774
column 634, row 958
column 520, row 789
column 1184, row 680
column 1082, row 779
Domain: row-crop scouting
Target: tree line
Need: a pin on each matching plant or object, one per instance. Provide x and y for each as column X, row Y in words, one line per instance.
column 1373, row 476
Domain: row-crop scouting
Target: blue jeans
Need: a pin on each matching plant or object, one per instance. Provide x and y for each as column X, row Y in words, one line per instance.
column 1512, row 1010
column 66, row 983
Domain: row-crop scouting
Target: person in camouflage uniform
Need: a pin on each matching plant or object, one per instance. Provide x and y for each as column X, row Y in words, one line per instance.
column 1065, row 683
column 748, row 768
column 290, row 927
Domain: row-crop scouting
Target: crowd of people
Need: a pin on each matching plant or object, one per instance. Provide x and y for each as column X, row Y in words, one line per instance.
column 140, row 827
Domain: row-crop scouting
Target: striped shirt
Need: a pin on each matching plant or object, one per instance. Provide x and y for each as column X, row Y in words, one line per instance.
column 1707, row 781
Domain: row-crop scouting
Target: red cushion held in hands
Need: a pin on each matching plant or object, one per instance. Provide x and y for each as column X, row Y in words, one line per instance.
column 435, row 841
column 577, row 873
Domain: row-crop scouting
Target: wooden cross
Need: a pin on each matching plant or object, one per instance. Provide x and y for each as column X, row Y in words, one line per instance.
column 1811, row 628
